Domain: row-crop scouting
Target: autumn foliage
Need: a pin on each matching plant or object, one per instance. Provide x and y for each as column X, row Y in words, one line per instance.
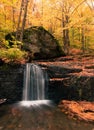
column 67, row 20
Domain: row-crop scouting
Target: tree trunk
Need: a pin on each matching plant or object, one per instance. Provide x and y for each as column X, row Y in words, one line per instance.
column 66, row 40
column 73, row 33
column 19, row 20
column 83, row 41
column 13, row 18
column 24, row 19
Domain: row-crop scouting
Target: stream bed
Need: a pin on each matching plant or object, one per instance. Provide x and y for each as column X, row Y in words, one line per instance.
column 38, row 117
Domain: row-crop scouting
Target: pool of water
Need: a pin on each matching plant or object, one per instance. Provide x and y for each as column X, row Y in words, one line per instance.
column 38, row 117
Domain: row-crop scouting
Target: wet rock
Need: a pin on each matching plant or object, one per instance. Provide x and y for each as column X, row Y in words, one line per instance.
column 69, row 82
column 2, row 101
column 11, row 83
column 1, row 62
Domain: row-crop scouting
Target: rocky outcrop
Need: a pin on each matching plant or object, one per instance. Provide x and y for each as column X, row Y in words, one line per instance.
column 67, row 81
column 70, row 79
column 11, row 83
column 39, row 43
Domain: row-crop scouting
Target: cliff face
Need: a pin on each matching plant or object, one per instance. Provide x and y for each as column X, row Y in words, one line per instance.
column 69, row 79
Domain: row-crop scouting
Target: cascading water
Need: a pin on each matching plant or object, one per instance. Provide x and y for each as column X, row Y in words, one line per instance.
column 35, row 82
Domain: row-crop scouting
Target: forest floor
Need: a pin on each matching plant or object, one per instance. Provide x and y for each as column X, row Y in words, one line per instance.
column 81, row 110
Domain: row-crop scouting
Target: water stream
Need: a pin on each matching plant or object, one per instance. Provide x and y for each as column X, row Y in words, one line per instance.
column 41, row 117
column 34, row 112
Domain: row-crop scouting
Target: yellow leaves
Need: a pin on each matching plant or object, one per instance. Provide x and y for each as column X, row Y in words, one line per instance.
column 9, row 2
column 50, row 14
column 12, row 54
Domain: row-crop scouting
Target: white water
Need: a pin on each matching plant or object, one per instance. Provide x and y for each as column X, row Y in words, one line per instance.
column 36, row 103
column 34, row 85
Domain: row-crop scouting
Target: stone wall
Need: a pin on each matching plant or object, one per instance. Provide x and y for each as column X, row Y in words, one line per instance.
column 11, row 83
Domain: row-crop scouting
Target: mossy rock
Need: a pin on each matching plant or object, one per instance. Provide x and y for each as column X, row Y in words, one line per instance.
column 40, row 43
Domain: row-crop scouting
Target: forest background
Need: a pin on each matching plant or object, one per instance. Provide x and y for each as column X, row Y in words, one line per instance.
column 70, row 21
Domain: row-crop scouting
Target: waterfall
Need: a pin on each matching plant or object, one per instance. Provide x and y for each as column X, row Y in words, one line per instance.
column 34, row 83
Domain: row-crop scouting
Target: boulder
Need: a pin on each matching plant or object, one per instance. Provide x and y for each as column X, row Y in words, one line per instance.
column 40, row 43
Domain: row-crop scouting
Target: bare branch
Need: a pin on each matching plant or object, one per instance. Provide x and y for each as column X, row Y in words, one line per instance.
column 78, row 6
